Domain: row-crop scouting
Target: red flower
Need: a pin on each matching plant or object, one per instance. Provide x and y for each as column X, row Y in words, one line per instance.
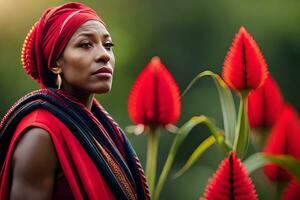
column 231, row 181
column 265, row 104
column 292, row 192
column 154, row 98
column 284, row 139
column 244, row 66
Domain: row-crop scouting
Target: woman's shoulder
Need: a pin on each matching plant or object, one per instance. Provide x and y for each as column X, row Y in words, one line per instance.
column 35, row 146
column 33, row 139
column 35, row 128
column 34, row 164
column 39, row 118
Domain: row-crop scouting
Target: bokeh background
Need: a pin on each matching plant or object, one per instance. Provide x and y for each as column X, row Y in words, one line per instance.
column 189, row 36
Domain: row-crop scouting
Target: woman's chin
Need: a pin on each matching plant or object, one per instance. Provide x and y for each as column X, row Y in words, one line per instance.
column 103, row 89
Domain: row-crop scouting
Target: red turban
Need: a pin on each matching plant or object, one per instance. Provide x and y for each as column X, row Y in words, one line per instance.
column 48, row 38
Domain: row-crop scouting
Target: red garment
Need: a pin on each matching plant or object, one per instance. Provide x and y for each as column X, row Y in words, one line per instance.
column 80, row 171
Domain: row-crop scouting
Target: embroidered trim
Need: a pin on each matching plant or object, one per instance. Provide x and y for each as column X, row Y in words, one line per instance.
column 130, row 192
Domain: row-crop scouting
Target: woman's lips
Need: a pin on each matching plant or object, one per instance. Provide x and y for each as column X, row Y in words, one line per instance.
column 103, row 72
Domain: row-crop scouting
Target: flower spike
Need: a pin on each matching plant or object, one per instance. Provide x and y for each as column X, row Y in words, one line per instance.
column 284, row 139
column 244, row 66
column 231, row 181
column 265, row 105
column 154, row 99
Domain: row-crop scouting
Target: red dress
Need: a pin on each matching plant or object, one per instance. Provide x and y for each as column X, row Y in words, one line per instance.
column 80, row 173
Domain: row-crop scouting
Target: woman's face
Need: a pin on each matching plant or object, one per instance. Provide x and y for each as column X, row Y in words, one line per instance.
column 88, row 61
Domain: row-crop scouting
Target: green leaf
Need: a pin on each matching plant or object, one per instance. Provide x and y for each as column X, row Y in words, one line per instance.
column 227, row 104
column 287, row 162
column 181, row 135
column 228, row 109
column 179, row 138
column 208, row 142
column 254, row 162
column 242, row 131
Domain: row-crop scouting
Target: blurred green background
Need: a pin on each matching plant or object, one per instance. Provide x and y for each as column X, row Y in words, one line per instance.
column 189, row 36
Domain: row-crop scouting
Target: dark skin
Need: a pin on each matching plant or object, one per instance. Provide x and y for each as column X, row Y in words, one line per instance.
column 35, row 162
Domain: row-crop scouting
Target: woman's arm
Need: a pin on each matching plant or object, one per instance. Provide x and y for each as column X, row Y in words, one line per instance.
column 33, row 166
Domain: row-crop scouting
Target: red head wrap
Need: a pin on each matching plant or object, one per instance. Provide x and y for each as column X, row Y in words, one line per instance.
column 48, row 38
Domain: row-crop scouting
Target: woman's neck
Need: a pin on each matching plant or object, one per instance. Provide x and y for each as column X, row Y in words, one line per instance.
column 85, row 98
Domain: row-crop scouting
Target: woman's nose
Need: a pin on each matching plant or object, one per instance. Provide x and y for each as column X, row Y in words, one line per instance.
column 102, row 55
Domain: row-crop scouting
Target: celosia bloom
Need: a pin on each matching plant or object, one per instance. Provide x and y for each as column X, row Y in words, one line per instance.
column 292, row 192
column 231, row 181
column 284, row 139
column 154, row 98
column 265, row 105
column 244, row 66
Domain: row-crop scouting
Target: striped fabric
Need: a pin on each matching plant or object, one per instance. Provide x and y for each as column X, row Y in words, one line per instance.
column 101, row 137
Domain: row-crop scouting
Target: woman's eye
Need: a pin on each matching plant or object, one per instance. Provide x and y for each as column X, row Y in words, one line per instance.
column 86, row 45
column 108, row 45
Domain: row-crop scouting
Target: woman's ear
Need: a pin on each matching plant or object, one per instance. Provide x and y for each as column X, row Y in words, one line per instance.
column 57, row 68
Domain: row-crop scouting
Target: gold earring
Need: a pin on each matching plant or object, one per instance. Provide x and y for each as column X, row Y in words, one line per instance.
column 58, row 81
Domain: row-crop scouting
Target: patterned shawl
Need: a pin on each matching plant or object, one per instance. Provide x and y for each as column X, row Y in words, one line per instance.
column 101, row 137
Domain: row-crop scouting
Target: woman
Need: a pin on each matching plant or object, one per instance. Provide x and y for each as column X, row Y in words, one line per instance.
column 60, row 143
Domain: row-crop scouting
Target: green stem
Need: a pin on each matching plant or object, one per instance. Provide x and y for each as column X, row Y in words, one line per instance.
column 165, row 172
column 242, row 130
column 152, row 157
